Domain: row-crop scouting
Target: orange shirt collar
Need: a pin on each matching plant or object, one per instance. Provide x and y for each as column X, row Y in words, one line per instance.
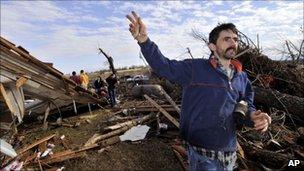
column 237, row 64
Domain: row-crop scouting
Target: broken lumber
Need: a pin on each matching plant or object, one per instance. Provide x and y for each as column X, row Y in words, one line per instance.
column 97, row 137
column 21, row 81
column 46, row 114
column 153, row 109
column 171, row 101
column 293, row 104
column 285, row 78
column 84, row 148
column 61, row 156
column 62, row 124
column 36, row 143
column 268, row 158
column 120, row 125
column 109, row 141
column 118, row 118
column 154, row 90
column 127, row 123
column 163, row 111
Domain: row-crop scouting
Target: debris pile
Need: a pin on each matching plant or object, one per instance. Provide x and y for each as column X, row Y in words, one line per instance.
column 150, row 107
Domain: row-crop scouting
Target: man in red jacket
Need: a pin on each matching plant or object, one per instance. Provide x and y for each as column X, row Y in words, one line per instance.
column 75, row 78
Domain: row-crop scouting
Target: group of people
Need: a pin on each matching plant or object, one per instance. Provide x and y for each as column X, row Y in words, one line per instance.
column 104, row 88
column 107, row 88
column 82, row 79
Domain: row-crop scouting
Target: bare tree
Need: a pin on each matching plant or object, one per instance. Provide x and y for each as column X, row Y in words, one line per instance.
column 293, row 51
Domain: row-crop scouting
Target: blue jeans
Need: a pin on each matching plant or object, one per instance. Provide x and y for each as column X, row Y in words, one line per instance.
column 112, row 96
column 199, row 162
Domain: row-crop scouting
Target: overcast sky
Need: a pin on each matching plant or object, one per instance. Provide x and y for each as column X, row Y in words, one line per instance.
column 68, row 33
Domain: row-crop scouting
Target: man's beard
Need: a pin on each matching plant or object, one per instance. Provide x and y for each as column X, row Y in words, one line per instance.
column 229, row 55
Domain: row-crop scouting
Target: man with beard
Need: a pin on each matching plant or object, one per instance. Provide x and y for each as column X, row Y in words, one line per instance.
column 211, row 89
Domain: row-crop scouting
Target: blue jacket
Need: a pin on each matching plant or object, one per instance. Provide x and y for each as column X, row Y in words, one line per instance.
column 208, row 98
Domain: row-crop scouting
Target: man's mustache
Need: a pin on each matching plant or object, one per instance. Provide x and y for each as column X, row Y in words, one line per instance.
column 233, row 48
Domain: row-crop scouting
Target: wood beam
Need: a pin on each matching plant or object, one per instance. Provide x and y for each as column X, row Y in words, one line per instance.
column 46, row 114
column 6, row 98
column 163, row 111
column 21, row 81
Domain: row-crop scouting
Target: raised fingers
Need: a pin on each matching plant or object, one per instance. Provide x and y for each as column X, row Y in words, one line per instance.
column 135, row 15
column 130, row 19
column 132, row 27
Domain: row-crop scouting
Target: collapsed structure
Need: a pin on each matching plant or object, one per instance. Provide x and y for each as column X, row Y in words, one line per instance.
column 278, row 90
column 23, row 78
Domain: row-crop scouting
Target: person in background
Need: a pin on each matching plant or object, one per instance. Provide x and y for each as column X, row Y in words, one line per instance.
column 112, row 81
column 75, row 78
column 211, row 89
column 84, row 79
column 100, row 87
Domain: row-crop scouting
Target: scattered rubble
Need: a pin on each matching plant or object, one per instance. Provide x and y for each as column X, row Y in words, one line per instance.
column 153, row 102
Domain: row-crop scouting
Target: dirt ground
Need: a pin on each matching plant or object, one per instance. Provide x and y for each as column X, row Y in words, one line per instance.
column 152, row 153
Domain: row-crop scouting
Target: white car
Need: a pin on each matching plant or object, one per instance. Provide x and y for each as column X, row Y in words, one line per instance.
column 138, row 78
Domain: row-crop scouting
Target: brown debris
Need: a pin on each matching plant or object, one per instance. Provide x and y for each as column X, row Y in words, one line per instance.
column 278, row 91
column 163, row 111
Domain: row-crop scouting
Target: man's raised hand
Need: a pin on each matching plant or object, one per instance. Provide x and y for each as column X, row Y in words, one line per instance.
column 137, row 28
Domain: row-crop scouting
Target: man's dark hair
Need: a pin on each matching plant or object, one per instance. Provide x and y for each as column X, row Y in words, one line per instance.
column 81, row 71
column 73, row 73
column 214, row 34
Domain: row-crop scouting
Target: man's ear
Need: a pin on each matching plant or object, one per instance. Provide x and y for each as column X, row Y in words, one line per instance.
column 212, row 47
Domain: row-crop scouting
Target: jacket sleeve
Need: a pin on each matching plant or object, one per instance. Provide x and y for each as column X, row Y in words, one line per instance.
column 249, row 97
column 173, row 70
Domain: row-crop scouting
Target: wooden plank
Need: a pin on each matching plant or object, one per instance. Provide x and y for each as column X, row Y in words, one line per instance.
column 154, row 109
column 59, row 157
column 41, row 77
column 16, row 100
column 163, row 111
column 109, row 141
column 35, row 143
column 37, row 74
column 63, row 158
column 6, row 98
column 27, row 59
column 97, row 137
column 46, row 114
column 120, row 125
column 84, row 148
column 62, row 153
column 21, row 81
column 19, row 97
column 42, row 147
column 171, row 101
column 50, row 85
column 15, row 108
column 30, row 58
